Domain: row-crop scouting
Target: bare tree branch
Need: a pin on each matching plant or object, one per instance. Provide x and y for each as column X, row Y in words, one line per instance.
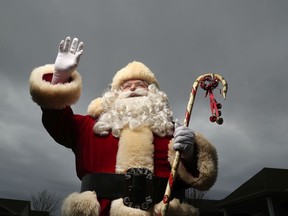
column 46, row 201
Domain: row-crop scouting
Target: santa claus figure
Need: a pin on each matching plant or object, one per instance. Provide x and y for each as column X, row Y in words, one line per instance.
column 125, row 145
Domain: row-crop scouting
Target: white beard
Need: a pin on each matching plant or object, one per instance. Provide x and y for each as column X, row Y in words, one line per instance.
column 152, row 111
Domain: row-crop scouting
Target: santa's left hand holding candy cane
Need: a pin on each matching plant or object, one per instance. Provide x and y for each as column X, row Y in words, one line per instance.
column 184, row 142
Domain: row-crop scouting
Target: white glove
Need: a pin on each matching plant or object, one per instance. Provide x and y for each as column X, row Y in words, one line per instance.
column 67, row 59
column 184, row 139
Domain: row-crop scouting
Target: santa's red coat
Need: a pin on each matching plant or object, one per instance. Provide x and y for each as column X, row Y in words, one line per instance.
column 94, row 153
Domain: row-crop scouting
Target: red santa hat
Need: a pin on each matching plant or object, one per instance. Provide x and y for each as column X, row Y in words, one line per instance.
column 134, row 70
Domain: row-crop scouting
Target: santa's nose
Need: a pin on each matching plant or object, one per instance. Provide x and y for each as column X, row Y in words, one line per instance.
column 133, row 87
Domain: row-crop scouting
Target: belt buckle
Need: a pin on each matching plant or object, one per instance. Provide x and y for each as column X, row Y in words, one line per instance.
column 138, row 188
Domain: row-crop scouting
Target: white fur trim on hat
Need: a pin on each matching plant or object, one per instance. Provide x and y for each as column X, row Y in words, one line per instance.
column 52, row 96
column 134, row 70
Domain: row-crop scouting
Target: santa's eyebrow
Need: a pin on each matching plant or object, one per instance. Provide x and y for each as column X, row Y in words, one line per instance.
column 140, row 82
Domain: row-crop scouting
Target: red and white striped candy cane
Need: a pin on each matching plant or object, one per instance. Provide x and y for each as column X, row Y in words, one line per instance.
column 208, row 81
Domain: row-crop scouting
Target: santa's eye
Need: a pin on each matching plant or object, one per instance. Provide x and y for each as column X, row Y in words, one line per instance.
column 141, row 85
column 129, row 85
column 126, row 86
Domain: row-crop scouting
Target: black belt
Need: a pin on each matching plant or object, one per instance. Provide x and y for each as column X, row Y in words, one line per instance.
column 138, row 187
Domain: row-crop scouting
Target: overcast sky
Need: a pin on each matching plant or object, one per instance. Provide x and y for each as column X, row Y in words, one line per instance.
column 244, row 41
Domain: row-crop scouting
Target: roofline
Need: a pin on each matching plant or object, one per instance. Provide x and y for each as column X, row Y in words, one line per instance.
column 258, row 194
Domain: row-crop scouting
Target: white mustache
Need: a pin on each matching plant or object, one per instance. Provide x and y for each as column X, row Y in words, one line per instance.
column 137, row 92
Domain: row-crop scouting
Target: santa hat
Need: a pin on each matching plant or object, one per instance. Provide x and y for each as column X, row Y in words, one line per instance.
column 134, row 70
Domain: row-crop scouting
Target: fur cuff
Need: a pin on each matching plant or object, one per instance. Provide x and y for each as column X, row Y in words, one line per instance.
column 207, row 164
column 56, row 96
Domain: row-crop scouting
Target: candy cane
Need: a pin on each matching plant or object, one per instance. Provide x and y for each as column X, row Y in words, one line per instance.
column 208, row 82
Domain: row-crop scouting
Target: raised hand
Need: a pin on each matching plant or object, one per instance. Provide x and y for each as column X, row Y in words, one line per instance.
column 67, row 59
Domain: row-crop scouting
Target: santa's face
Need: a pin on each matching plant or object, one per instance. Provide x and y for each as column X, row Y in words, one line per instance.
column 133, row 88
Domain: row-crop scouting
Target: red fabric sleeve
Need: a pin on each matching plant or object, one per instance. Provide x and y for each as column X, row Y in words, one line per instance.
column 59, row 124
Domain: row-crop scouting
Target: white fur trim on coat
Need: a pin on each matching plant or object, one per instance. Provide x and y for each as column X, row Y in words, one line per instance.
column 85, row 203
column 176, row 209
column 136, row 149
column 52, row 96
column 95, row 108
column 207, row 164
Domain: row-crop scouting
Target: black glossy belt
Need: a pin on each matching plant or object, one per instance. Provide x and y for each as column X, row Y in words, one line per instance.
column 138, row 187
